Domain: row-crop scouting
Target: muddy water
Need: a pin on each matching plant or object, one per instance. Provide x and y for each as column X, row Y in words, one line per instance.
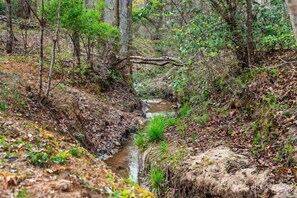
column 125, row 163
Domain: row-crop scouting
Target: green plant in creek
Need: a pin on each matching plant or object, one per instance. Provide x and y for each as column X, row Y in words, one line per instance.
column 155, row 128
column 157, row 177
column 140, row 140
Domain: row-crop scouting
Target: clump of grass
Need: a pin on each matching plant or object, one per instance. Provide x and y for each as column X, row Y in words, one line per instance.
column 202, row 119
column 155, row 129
column 164, row 147
column 141, row 140
column 157, row 177
column 185, row 110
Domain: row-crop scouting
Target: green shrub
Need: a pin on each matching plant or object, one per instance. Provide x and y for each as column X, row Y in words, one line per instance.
column 155, row 128
column 140, row 140
column 157, row 177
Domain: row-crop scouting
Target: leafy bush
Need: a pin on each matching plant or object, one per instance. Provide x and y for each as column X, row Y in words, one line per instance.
column 157, row 177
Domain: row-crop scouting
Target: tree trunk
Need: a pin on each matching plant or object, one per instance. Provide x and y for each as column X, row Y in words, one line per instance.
column 109, row 12
column 24, row 9
column 292, row 7
column 10, row 37
column 55, row 40
column 250, row 42
column 117, row 12
column 42, row 26
column 125, row 39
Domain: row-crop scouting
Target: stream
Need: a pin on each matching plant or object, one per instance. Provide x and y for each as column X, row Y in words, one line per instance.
column 125, row 163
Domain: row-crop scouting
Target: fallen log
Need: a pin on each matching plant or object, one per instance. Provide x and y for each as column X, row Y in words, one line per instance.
column 162, row 61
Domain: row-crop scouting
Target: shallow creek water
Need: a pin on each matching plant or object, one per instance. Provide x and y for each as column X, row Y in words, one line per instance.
column 125, row 163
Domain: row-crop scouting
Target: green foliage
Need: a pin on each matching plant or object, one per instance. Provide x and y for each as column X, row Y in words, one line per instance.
column 76, row 18
column 285, row 155
column 37, row 158
column 2, row 107
column 273, row 29
column 141, row 140
column 23, row 194
column 202, row 119
column 155, row 128
column 164, row 147
column 60, row 158
column 257, row 138
column 157, row 177
column 151, row 7
column 76, row 152
column 185, row 110
column 61, row 86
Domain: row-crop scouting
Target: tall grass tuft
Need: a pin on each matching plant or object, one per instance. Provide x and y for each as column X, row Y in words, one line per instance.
column 155, row 128
column 157, row 177
column 140, row 140
column 185, row 110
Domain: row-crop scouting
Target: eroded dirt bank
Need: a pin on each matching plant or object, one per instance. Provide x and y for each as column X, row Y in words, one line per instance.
column 217, row 172
column 237, row 141
column 41, row 145
column 99, row 117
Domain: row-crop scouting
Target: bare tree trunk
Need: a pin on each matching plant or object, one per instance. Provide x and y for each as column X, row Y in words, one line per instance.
column 109, row 12
column 55, row 40
column 10, row 37
column 117, row 12
column 250, row 42
column 125, row 39
column 23, row 9
column 292, row 7
column 42, row 26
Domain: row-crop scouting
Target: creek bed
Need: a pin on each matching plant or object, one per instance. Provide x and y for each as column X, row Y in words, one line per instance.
column 125, row 163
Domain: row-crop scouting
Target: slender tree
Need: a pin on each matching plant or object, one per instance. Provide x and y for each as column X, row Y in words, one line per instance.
column 125, row 39
column 42, row 27
column 292, row 7
column 10, row 37
column 55, row 40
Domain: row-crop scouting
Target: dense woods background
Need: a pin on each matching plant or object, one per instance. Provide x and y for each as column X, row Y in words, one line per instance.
column 81, row 68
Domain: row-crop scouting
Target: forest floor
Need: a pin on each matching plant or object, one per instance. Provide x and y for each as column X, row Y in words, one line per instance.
column 239, row 141
column 50, row 149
